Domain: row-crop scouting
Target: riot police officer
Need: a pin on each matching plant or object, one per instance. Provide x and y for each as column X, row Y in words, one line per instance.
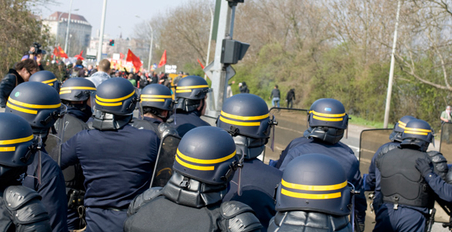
column 117, row 159
column 327, row 121
column 191, row 94
column 76, row 93
column 39, row 104
column 192, row 199
column 318, row 203
column 372, row 184
column 46, row 77
column 245, row 116
column 156, row 104
column 20, row 207
column 406, row 195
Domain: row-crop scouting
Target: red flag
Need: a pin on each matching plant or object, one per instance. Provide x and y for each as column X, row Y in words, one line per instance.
column 163, row 60
column 62, row 53
column 134, row 59
column 202, row 66
column 55, row 52
column 121, row 56
column 79, row 56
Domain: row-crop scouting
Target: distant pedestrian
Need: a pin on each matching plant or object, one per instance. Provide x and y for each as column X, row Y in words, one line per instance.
column 275, row 96
column 243, row 88
column 290, row 97
column 229, row 90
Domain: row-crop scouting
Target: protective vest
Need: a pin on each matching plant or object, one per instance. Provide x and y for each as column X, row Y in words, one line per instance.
column 308, row 221
column 21, row 208
column 401, row 183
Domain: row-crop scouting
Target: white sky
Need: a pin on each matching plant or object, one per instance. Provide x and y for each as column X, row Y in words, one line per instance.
column 120, row 16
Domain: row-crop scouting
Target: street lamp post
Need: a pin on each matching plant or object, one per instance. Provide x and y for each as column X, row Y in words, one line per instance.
column 68, row 24
column 150, row 46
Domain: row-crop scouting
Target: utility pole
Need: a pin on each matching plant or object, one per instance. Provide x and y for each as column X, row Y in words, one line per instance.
column 101, row 37
column 67, row 30
column 391, row 70
column 227, row 52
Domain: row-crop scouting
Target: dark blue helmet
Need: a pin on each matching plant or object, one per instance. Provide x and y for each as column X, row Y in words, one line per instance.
column 206, row 154
column 245, row 116
column 156, row 96
column 190, row 91
column 417, row 132
column 399, row 127
column 37, row 103
column 46, row 77
column 77, row 89
column 305, row 188
column 327, row 120
column 16, row 145
column 116, row 96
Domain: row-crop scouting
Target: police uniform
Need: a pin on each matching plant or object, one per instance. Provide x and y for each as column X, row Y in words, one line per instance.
column 192, row 199
column 317, row 203
column 406, row 195
column 117, row 159
column 245, row 117
column 190, row 94
column 372, row 179
column 40, row 105
column 327, row 122
column 20, row 207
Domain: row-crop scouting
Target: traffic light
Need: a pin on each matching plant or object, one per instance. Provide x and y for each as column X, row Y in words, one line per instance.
column 232, row 51
column 112, row 42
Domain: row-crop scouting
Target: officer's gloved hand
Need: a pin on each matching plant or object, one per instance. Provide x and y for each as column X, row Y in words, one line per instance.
column 424, row 166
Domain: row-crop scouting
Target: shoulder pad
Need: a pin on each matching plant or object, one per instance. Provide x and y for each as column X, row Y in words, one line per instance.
column 142, row 199
column 436, row 157
column 166, row 129
column 386, row 149
column 439, row 163
column 26, row 207
column 17, row 196
column 237, row 216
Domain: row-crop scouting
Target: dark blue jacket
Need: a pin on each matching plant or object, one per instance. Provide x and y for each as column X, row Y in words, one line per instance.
column 258, row 184
column 117, row 165
column 341, row 153
column 184, row 122
column 52, row 189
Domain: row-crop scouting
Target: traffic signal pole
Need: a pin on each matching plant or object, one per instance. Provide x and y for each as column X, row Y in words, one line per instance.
column 220, row 73
column 101, row 37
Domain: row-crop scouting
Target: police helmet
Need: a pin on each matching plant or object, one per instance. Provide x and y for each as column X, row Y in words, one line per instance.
column 245, row 116
column 37, row 103
column 206, row 154
column 156, row 96
column 399, row 127
column 116, row 96
column 16, row 145
column 304, row 188
column 327, row 120
column 46, row 77
column 77, row 89
column 417, row 132
column 190, row 91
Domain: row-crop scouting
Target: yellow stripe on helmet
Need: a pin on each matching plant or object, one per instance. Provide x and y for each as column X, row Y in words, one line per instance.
column 417, row 129
column 192, row 87
column 152, row 100
column 244, row 118
column 311, row 196
column 205, row 161
column 326, row 115
column 49, row 81
column 115, row 99
column 16, row 141
column 239, row 123
column 313, row 187
column 7, row 149
column 33, row 106
column 155, row 96
column 195, row 167
column 183, row 91
column 10, row 105
column 78, row 88
column 108, row 104
column 328, row 119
